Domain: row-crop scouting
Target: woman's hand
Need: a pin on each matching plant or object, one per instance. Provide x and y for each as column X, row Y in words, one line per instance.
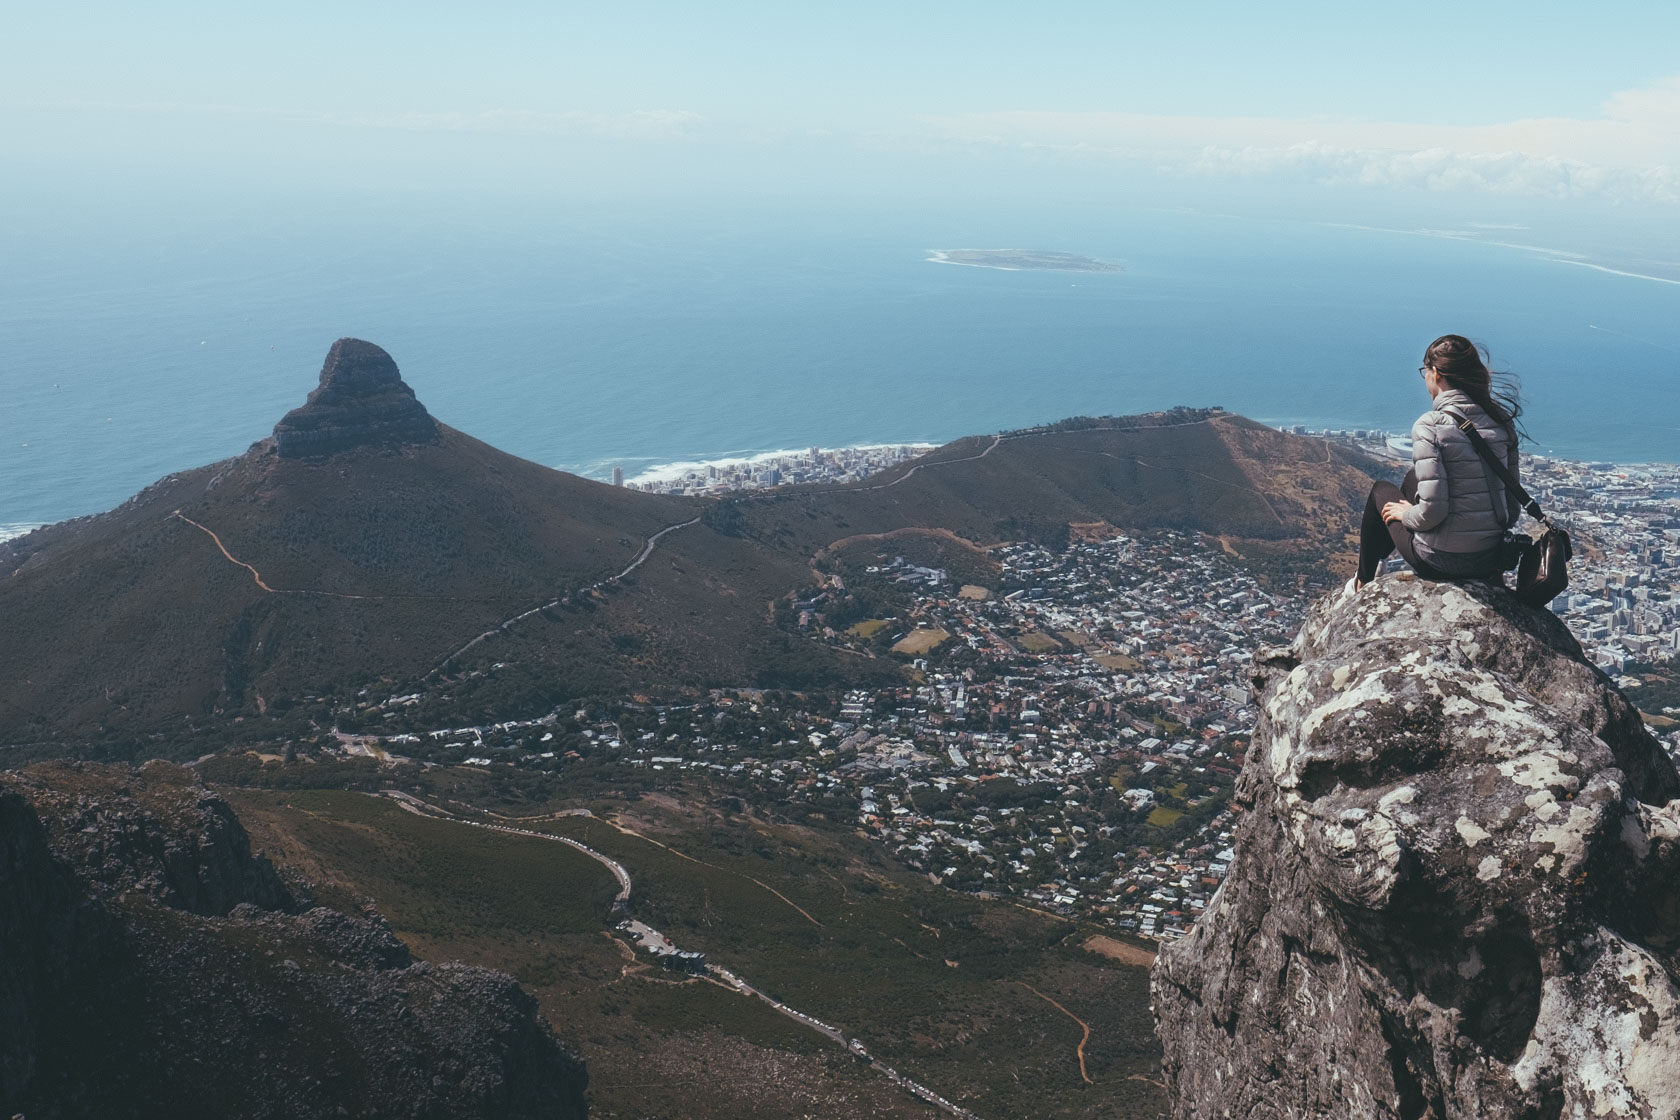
column 1394, row 511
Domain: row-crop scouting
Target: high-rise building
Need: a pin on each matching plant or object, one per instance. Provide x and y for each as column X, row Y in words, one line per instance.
column 618, row 476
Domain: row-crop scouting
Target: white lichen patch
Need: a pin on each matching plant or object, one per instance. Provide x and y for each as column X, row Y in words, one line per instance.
column 1339, row 679
column 1281, row 751
column 1455, row 706
column 1568, row 837
column 1593, row 1028
column 1371, row 690
column 1455, row 604
column 1663, row 822
column 1405, row 795
column 1543, row 770
column 1472, row 832
column 1489, row 869
column 1543, row 804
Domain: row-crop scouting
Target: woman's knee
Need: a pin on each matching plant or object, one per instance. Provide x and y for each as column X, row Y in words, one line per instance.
column 1383, row 492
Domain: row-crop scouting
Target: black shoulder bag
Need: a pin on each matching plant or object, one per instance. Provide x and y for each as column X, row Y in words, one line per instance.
column 1543, row 569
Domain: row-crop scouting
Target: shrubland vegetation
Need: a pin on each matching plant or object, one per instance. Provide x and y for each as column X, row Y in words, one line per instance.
column 933, row 981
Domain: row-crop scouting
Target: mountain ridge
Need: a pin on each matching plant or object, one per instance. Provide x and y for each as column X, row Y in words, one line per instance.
column 258, row 586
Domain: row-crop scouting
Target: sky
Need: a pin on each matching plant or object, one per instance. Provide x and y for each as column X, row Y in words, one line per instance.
column 1532, row 104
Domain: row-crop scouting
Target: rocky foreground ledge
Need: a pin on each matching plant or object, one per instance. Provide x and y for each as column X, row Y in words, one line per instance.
column 152, row 965
column 1456, row 890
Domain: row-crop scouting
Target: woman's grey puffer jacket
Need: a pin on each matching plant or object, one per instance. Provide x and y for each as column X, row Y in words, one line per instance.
column 1461, row 505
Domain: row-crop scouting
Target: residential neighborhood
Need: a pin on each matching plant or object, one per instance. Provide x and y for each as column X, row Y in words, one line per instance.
column 1071, row 734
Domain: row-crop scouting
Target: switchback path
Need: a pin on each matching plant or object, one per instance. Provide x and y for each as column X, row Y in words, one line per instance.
column 723, row 975
column 502, row 627
column 232, row 559
column 263, row 585
column 997, row 441
column 421, row 809
column 1080, row 1050
column 714, row 867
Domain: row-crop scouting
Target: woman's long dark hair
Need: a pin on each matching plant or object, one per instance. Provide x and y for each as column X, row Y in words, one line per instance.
column 1463, row 366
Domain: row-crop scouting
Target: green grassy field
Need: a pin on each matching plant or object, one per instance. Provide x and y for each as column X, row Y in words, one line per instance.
column 933, row 981
column 1038, row 643
column 920, row 641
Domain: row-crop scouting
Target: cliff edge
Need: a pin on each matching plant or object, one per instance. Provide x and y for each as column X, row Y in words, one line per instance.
column 1456, row 890
column 152, row 965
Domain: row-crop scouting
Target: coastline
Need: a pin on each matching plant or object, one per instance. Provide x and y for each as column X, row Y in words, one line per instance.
column 671, row 471
column 940, row 256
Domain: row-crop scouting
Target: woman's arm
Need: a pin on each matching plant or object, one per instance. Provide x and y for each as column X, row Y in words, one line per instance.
column 1430, row 508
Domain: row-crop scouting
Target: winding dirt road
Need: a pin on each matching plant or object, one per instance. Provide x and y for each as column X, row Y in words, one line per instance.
column 502, row 627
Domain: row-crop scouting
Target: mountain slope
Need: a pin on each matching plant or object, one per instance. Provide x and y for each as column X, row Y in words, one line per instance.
column 367, row 545
column 1200, row 470
column 267, row 577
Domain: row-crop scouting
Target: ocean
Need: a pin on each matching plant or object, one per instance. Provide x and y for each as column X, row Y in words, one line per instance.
column 148, row 341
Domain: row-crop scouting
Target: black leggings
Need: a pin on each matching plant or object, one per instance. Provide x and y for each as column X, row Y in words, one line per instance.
column 1379, row 539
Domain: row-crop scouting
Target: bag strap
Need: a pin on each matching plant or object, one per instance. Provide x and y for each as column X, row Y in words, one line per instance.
column 1529, row 505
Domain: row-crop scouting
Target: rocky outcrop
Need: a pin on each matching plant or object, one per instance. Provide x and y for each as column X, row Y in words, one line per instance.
column 151, row 965
column 1456, row 890
column 361, row 401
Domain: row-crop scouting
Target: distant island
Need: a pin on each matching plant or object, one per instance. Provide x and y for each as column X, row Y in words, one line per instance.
column 1021, row 260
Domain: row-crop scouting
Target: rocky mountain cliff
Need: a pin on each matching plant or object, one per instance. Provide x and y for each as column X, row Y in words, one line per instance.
column 152, row 965
column 361, row 401
column 1455, row 891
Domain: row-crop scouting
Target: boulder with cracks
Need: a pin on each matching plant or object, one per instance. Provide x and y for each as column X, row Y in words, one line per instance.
column 1456, row 890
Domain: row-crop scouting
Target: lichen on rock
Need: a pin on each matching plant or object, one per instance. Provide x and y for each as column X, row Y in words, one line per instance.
column 1454, row 891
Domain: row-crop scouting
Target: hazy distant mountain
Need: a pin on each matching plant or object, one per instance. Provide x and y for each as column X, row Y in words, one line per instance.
column 366, row 544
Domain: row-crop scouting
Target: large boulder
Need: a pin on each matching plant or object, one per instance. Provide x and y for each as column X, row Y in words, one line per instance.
column 1455, row 891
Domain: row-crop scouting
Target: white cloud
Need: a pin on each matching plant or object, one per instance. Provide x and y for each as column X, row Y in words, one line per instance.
column 1630, row 153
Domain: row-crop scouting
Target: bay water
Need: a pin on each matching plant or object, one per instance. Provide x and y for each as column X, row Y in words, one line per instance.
column 140, row 342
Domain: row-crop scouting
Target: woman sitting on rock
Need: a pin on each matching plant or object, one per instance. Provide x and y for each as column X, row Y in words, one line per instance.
column 1449, row 517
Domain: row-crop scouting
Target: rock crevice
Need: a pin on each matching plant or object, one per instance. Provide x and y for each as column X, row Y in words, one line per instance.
column 1455, row 890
